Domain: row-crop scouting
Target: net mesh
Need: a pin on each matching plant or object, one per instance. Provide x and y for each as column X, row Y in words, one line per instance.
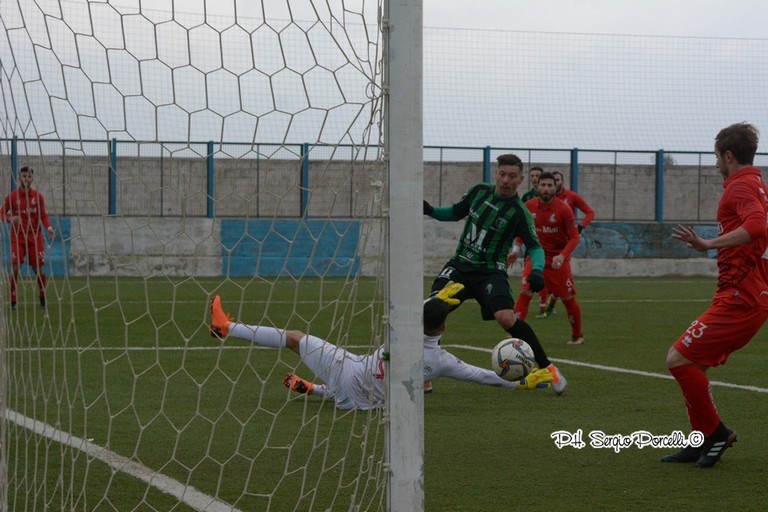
column 185, row 155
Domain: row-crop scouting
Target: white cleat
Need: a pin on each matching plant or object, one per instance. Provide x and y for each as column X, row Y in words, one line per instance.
column 559, row 382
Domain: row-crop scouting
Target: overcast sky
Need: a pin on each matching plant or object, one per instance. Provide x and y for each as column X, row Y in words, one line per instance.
column 707, row 18
column 504, row 73
column 666, row 93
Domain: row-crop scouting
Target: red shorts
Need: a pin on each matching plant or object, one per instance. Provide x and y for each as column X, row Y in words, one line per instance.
column 32, row 250
column 558, row 281
column 724, row 328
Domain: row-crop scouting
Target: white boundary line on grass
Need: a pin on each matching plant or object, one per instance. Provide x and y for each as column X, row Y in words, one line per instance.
column 595, row 366
column 617, row 369
column 184, row 493
column 201, row 501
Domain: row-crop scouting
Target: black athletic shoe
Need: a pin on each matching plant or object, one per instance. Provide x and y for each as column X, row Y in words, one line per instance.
column 715, row 445
column 687, row 454
column 42, row 302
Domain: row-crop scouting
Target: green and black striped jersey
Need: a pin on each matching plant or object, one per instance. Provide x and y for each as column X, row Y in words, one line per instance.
column 529, row 195
column 492, row 224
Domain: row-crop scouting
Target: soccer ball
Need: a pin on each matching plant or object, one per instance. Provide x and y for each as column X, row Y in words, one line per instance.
column 512, row 359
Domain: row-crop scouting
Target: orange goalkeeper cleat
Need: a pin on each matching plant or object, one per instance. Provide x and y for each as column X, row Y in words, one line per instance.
column 219, row 319
column 297, row 384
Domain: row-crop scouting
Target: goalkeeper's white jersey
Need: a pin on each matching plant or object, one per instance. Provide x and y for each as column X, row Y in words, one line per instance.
column 441, row 363
column 357, row 381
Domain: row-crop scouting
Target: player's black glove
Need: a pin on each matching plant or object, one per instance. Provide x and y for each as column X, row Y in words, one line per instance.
column 428, row 208
column 581, row 228
column 536, row 280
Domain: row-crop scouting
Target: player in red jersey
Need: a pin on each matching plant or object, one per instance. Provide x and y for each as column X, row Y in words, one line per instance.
column 556, row 229
column 574, row 200
column 533, row 177
column 740, row 305
column 24, row 209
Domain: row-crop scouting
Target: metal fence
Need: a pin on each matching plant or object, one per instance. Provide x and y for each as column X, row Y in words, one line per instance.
column 621, row 186
column 203, row 179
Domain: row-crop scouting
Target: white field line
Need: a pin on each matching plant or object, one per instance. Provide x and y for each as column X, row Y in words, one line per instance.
column 200, row 501
column 184, row 493
column 594, row 366
column 617, row 369
column 246, row 302
column 191, row 496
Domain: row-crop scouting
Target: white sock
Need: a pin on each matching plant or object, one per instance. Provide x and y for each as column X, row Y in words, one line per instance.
column 258, row 334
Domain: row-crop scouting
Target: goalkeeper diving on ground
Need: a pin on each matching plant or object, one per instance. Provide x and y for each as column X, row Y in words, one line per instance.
column 357, row 381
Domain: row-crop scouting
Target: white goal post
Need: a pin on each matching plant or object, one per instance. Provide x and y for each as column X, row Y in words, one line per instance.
column 403, row 142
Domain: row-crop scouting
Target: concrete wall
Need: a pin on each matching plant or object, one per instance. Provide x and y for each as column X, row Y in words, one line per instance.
column 135, row 246
column 162, row 204
column 178, row 187
column 606, row 249
column 257, row 186
column 617, row 192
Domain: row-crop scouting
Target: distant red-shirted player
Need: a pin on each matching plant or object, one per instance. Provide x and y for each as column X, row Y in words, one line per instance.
column 574, row 200
column 24, row 209
column 556, row 229
column 740, row 305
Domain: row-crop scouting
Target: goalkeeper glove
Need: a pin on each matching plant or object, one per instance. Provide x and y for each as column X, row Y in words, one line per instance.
column 537, row 379
column 448, row 292
column 536, row 280
column 428, row 208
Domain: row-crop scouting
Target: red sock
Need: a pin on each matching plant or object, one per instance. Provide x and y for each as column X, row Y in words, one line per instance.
column 694, row 383
column 543, row 298
column 574, row 315
column 12, row 283
column 521, row 306
column 41, row 282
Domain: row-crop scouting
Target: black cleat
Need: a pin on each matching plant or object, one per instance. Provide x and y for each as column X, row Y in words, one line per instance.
column 715, row 445
column 42, row 302
column 687, row 454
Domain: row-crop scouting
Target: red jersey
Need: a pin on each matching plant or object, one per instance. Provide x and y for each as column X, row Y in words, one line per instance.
column 575, row 201
column 743, row 270
column 29, row 206
column 555, row 226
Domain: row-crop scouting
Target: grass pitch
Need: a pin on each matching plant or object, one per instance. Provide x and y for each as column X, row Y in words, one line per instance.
column 127, row 365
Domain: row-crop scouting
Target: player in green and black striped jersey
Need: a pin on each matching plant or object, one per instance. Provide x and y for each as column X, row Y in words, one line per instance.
column 533, row 177
column 492, row 224
column 495, row 215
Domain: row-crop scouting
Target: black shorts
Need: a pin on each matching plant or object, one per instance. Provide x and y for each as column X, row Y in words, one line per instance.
column 490, row 288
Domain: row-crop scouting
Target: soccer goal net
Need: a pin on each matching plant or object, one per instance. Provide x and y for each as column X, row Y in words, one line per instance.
column 184, row 151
